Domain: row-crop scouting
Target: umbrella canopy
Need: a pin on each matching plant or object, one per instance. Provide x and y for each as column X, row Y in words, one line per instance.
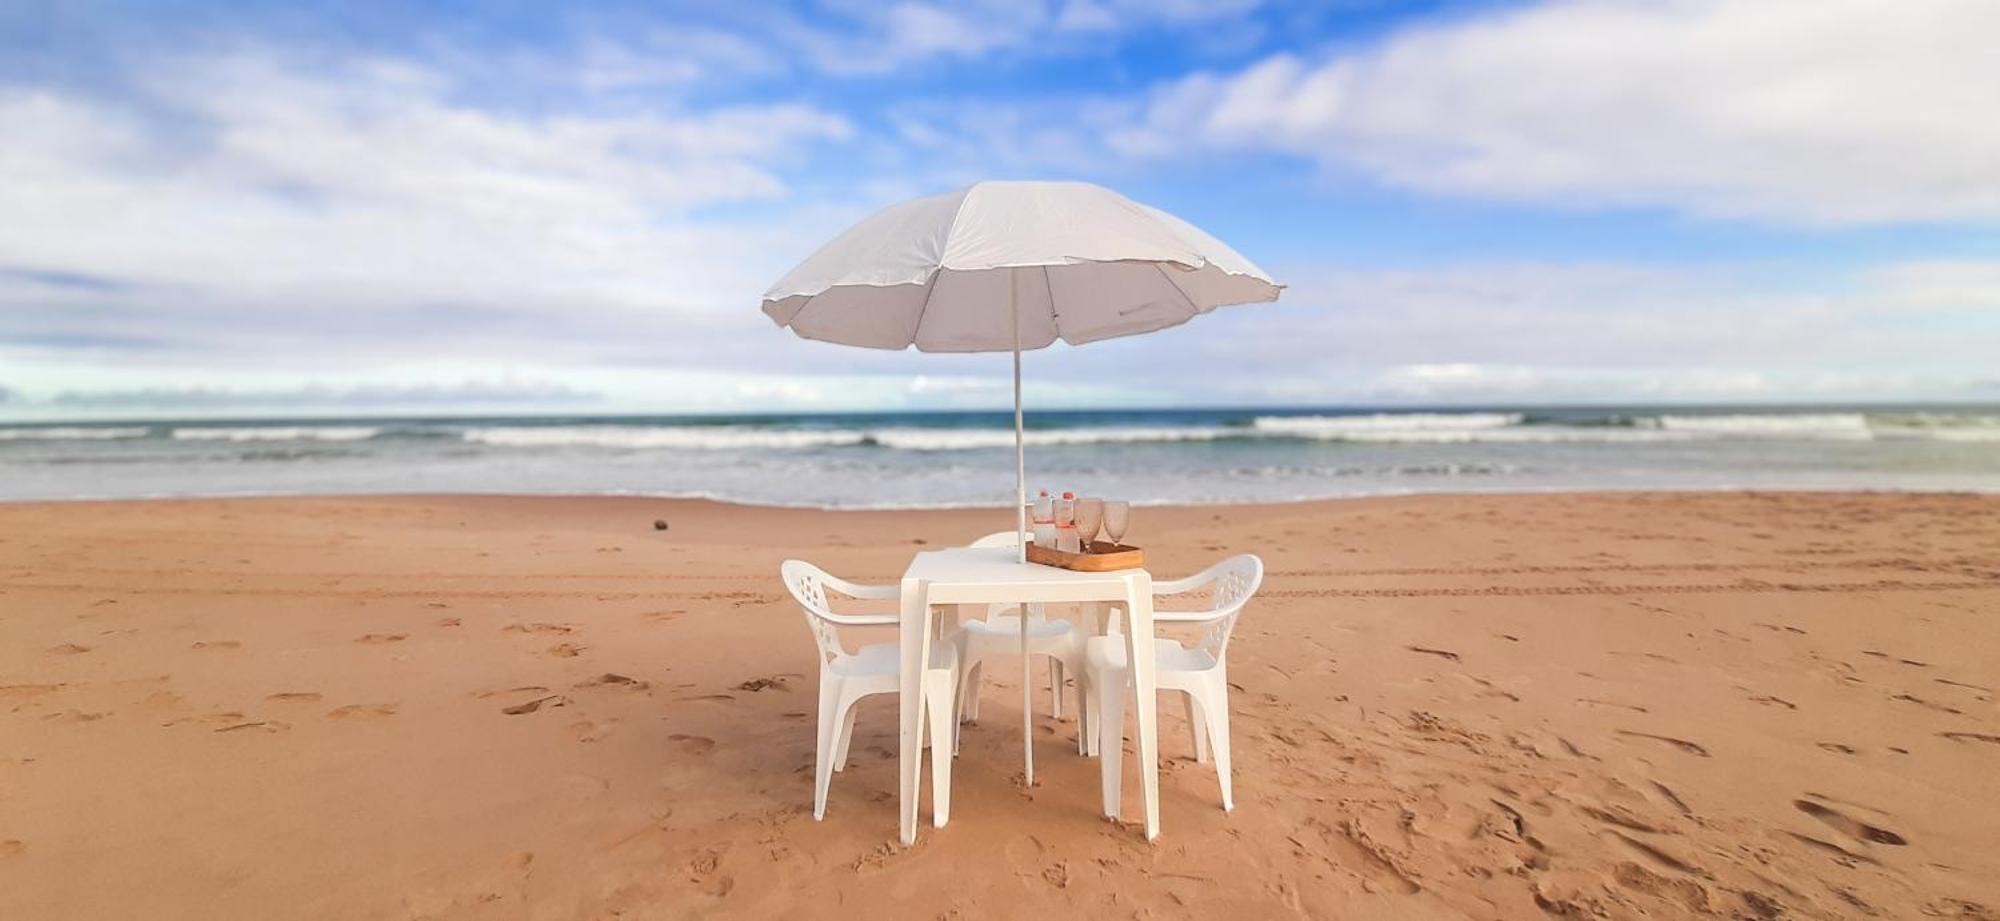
column 945, row 273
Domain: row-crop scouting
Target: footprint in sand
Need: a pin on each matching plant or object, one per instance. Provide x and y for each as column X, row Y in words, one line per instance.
column 538, row 628
column 1971, row 737
column 217, row 644
column 362, row 711
column 1592, row 701
column 287, row 697
column 524, row 689
column 1622, row 820
column 552, row 700
column 377, row 639
column 705, row 869
column 11, row 848
column 614, row 680
column 448, row 622
column 1927, row 704
column 693, row 745
column 69, row 649
column 565, row 650
column 76, row 716
column 1657, row 855
column 258, row 725
column 1682, row 744
column 773, row 683
column 1667, row 793
column 163, row 700
column 1848, row 825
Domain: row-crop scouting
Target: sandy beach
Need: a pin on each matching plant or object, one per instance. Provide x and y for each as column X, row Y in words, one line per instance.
column 1749, row 705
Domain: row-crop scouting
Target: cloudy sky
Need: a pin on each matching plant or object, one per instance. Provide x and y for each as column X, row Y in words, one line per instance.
column 521, row 206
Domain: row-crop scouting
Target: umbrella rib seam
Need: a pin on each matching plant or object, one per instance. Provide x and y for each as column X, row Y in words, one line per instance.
column 1055, row 316
column 929, row 290
column 1169, row 279
column 793, row 323
column 950, row 231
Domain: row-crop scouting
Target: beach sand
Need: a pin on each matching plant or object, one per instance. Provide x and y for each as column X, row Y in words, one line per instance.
column 1490, row 707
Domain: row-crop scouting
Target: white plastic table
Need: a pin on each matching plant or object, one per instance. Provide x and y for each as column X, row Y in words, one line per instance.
column 973, row 575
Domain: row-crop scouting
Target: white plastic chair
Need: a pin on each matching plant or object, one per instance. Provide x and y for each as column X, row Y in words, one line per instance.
column 1000, row 635
column 845, row 678
column 1201, row 671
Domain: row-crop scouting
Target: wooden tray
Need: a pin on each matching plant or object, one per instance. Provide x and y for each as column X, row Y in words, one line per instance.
column 1102, row 557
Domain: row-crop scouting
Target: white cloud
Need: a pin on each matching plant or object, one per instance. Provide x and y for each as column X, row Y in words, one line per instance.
column 279, row 211
column 1593, row 332
column 1814, row 111
column 459, row 394
column 781, row 392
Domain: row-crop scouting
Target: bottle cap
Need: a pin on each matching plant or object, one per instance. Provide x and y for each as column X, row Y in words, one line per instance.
column 1069, row 495
column 1045, row 492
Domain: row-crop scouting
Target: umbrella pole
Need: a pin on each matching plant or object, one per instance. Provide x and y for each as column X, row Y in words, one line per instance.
column 1020, row 453
column 1020, row 529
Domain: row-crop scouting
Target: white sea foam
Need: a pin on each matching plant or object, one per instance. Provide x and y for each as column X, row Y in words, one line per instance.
column 714, row 437
column 1850, row 426
column 72, row 433
column 1963, row 427
column 916, row 439
column 279, row 433
column 1385, row 422
column 1444, row 428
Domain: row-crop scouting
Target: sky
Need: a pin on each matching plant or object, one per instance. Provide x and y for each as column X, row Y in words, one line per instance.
column 332, row 208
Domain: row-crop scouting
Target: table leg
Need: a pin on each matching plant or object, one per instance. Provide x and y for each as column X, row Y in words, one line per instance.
column 1086, row 624
column 1027, row 706
column 915, row 634
column 1139, row 646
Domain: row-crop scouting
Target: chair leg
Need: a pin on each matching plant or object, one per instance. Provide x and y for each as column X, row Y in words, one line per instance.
column 1055, row 687
column 1215, row 706
column 1094, row 700
column 1195, row 727
column 1084, row 720
column 829, row 713
column 969, row 693
column 1111, row 736
column 844, row 740
column 943, row 728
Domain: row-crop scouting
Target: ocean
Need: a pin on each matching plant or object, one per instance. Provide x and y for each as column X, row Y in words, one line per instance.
column 934, row 459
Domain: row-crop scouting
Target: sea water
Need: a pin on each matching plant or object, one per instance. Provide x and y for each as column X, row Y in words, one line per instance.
column 952, row 459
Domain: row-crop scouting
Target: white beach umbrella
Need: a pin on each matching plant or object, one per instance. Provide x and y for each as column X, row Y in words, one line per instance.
column 1007, row 266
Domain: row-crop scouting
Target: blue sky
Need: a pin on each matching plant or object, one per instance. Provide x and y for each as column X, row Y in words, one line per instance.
column 362, row 206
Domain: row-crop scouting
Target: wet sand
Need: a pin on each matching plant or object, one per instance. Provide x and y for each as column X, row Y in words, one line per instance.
column 1581, row 706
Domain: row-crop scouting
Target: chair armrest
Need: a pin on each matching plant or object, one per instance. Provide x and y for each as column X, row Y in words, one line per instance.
column 868, row 592
column 864, row 620
column 1189, row 617
column 1183, row 586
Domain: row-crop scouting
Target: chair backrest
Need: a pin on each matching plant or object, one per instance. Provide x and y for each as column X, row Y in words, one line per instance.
column 808, row 586
column 1230, row 585
column 998, row 539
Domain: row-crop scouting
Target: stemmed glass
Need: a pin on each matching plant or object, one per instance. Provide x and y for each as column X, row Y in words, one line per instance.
column 1117, row 517
column 1089, row 517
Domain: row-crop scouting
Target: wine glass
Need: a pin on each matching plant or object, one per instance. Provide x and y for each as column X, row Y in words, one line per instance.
column 1089, row 517
column 1117, row 517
